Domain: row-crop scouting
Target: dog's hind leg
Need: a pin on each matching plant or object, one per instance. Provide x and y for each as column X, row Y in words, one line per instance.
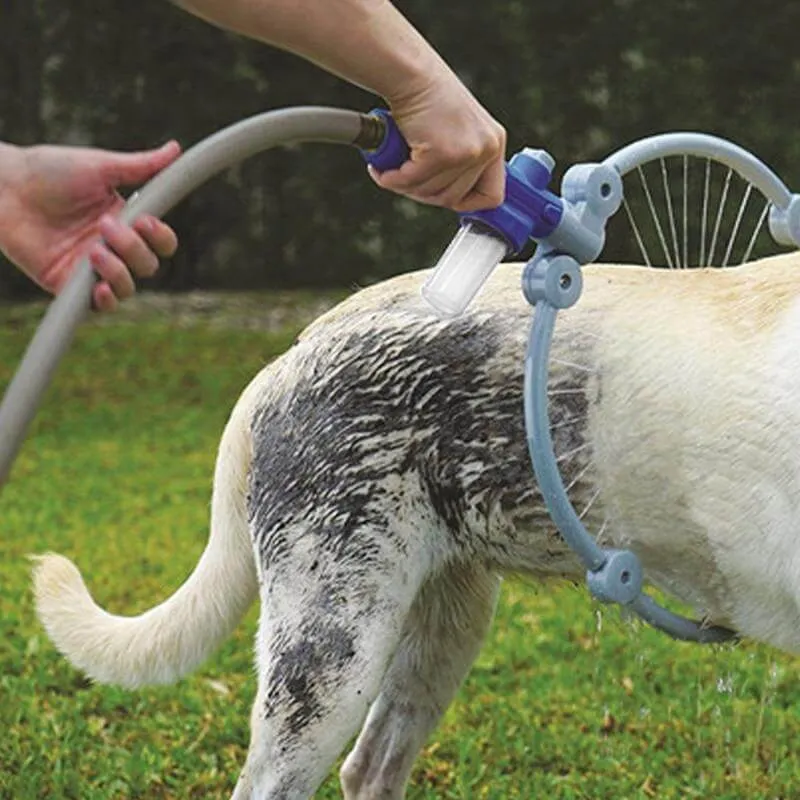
column 331, row 619
column 441, row 638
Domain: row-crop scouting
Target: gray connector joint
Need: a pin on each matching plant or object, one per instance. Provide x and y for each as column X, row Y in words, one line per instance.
column 554, row 278
column 784, row 223
column 592, row 193
column 619, row 580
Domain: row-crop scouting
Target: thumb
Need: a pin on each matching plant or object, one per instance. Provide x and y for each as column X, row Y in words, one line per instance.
column 131, row 169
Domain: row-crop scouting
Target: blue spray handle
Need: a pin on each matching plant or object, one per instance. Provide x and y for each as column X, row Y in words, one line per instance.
column 393, row 151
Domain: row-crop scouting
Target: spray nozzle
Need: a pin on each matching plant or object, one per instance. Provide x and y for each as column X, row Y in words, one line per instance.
column 573, row 224
column 530, row 210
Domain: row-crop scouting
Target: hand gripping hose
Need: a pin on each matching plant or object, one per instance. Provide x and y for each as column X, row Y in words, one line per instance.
column 373, row 133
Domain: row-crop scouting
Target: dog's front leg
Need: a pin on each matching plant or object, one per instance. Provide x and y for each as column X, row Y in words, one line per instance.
column 442, row 637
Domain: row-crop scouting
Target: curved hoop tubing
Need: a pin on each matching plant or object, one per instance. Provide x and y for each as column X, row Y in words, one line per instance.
column 212, row 155
column 613, row 575
column 551, row 282
column 703, row 145
column 784, row 206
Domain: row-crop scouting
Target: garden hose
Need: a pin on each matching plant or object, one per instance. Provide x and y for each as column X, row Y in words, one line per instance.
column 369, row 132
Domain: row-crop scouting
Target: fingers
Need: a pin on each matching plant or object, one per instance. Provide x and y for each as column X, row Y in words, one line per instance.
column 489, row 190
column 158, row 236
column 130, row 248
column 131, row 169
column 457, row 148
column 461, row 176
column 115, row 280
column 126, row 252
column 103, row 298
column 460, row 190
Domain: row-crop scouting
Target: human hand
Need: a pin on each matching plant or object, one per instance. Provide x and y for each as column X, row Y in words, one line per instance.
column 57, row 202
column 457, row 149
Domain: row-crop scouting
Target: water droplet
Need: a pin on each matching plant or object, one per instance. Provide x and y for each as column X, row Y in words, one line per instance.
column 725, row 684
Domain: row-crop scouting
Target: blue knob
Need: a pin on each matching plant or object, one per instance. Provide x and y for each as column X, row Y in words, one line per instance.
column 530, row 210
column 535, row 166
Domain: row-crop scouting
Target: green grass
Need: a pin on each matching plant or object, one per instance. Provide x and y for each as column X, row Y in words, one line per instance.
column 117, row 474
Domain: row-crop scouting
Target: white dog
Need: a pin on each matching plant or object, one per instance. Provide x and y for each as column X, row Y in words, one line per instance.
column 373, row 483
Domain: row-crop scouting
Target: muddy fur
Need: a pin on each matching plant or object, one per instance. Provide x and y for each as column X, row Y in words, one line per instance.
column 373, row 485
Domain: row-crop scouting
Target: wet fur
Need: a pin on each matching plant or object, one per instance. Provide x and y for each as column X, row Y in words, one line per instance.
column 373, row 483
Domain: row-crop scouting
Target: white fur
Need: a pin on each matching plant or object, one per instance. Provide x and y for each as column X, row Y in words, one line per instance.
column 171, row 639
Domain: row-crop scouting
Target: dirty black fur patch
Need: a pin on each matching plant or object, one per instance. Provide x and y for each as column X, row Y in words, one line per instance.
column 411, row 398
column 326, row 450
column 300, row 669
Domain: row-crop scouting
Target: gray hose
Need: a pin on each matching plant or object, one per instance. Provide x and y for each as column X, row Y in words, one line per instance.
column 167, row 189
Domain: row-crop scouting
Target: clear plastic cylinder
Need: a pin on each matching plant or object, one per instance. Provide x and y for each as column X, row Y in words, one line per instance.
column 463, row 269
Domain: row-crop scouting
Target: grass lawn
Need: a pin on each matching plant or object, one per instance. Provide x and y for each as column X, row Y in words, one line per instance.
column 565, row 701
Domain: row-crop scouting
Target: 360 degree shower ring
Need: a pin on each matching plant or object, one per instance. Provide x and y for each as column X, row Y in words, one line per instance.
column 552, row 281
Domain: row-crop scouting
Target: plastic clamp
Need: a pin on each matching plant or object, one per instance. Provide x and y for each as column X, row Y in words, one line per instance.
column 619, row 580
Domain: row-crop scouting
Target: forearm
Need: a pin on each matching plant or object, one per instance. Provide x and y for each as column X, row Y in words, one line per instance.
column 367, row 42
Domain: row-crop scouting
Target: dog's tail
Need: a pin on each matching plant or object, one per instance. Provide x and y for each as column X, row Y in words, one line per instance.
column 164, row 643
